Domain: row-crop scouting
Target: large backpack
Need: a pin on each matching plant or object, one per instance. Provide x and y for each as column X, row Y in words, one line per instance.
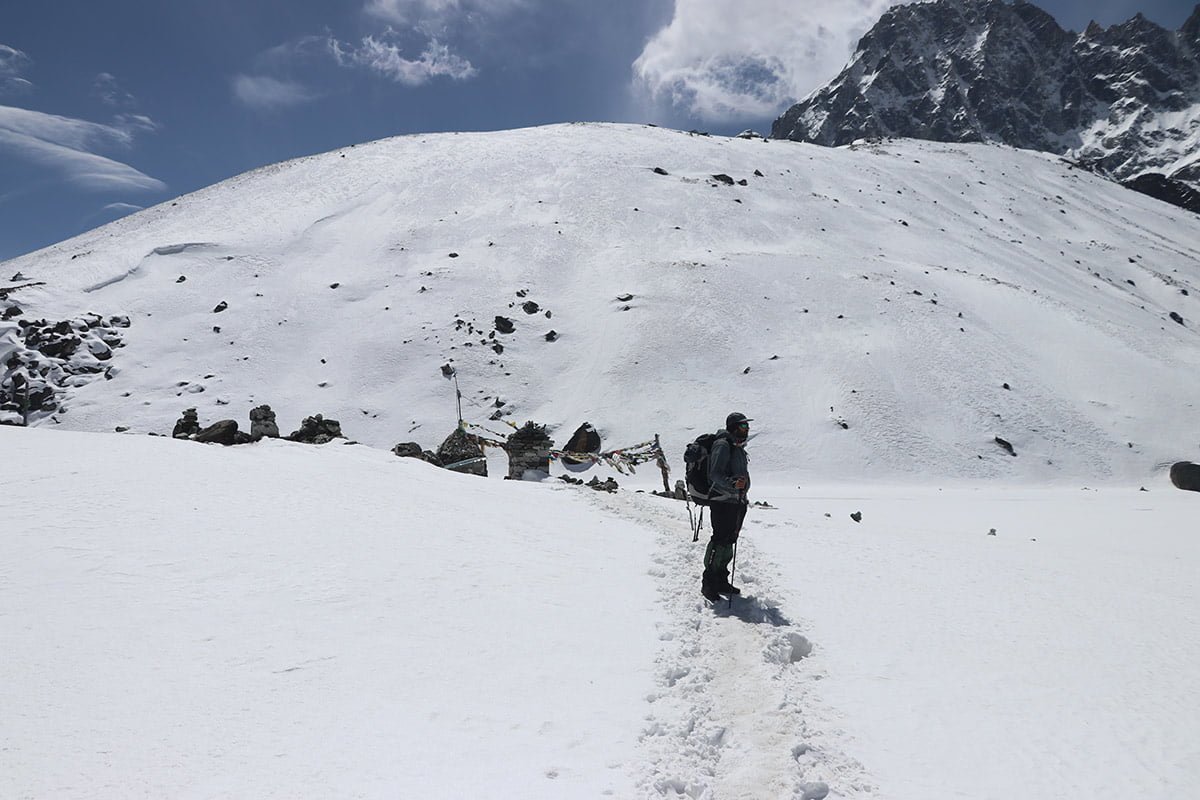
column 695, row 467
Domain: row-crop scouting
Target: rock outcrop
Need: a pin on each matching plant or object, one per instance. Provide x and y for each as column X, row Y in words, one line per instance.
column 42, row 360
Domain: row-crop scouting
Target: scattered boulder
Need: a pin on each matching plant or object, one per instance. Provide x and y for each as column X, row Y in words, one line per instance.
column 624, row 298
column 262, row 423
column 224, row 432
column 552, row 335
column 530, row 307
column 660, row 171
column 528, row 449
column 585, row 439
column 317, row 430
column 447, row 370
column 187, row 426
column 504, row 325
column 1176, row 318
column 460, row 447
column 608, row 485
column 1008, row 448
column 723, row 178
column 221, row 306
column 413, row 450
column 1186, row 475
column 856, row 516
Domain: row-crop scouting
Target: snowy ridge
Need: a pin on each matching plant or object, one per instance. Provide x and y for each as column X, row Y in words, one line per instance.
column 868, row 303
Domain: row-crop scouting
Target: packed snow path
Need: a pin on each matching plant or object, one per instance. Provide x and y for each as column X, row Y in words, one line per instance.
column 736, row 713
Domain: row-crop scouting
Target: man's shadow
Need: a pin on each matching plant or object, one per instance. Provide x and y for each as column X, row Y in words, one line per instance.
column 748, row 608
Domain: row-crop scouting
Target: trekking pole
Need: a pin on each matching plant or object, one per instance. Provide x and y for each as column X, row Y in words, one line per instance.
column 733, row 570
column 699, row 525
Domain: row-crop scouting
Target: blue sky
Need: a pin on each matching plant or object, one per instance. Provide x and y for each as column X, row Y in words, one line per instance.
column 111, row 106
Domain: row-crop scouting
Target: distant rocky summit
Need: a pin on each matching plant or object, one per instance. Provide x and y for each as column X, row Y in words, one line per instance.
column 1123, row 101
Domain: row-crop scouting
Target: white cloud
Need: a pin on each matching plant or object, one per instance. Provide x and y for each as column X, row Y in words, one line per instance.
column 267, row 94
column 121, row 208
column 108, row 213
column 12, row 64
column 106, row 88
column 87, row 171
column 722, row 59
column 76, row 134
column 67, row 146
column 385, row 58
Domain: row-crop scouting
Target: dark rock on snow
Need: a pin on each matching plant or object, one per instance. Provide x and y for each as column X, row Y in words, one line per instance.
column 413, row 450
column 224, row 432
column 317, row 430
column 1186, row 475
column 585, row 439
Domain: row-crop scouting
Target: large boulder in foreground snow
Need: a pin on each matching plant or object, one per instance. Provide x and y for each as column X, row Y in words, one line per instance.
column 1186, row 475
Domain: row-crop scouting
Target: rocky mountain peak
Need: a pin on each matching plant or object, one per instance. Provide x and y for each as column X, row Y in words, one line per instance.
column 1123, row 100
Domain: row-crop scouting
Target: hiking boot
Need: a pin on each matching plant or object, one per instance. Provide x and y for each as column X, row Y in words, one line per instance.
column 710, row 593
column 728, row 588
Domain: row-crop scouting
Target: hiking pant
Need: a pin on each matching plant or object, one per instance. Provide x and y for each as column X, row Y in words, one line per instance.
column 726, row 520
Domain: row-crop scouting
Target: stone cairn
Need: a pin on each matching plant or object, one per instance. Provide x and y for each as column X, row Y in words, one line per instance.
column 187, row 426
column 461, row 446
column 528, row 449
column 317, row 430
column 262, row 423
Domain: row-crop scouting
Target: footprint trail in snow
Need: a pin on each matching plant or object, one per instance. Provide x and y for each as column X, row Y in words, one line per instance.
column 736, row 713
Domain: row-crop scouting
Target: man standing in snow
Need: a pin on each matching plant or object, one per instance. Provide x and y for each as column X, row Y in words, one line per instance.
column 729, row 474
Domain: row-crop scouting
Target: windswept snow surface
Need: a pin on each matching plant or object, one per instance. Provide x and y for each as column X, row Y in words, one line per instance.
column 279, row 620
column 894, row 287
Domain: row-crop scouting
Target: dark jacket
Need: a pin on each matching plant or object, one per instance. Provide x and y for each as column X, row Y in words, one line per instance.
column 726, row 461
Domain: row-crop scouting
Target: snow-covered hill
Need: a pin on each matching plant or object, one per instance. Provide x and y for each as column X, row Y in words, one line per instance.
column 1123, row 100
column 866, row 305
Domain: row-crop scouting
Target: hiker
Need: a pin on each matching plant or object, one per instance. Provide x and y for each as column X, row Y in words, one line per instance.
column 729, row 474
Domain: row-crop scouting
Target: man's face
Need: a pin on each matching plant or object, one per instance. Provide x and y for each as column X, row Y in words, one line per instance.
column 742, row 432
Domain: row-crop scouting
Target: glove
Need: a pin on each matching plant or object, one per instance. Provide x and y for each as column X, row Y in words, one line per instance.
column 739, row 484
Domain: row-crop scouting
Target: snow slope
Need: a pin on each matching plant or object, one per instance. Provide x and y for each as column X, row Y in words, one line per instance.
column 280, row 620
column 893, row 288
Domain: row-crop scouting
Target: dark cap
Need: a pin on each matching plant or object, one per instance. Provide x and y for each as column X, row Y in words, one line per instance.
column 734, row 420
